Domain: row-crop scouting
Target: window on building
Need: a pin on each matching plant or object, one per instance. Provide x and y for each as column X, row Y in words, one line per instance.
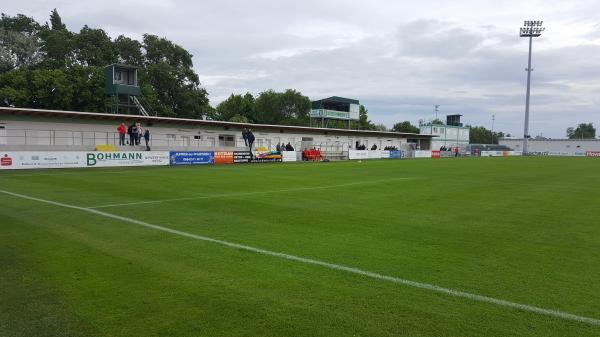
column 227, row 140
column 197, row 137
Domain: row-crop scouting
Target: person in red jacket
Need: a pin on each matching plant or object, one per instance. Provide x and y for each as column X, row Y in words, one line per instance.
column 122, row 130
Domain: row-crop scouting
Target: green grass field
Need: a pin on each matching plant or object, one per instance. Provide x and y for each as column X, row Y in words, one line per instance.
column 522, row 230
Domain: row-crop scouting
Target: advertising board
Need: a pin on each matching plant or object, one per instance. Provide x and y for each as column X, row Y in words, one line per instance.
column 72, row 159
column 358, row 154
column 288, row 156
column 240, row 157
column 127, row 158
column 422, row 154
column 191, row 158
column 395, row 154
column 223, row 157
column 592, row 153
column 41, row 160
column 435, row 154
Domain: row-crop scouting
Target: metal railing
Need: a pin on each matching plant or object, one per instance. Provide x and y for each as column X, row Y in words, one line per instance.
column 92, row 138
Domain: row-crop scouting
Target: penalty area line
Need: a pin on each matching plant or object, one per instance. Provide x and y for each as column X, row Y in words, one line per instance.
column 426, row 286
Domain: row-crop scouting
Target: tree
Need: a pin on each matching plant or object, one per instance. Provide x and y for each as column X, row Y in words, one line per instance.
column 51, row 67
column 363, row 119
column 19, row 43
column 437, row 121
column 288, row 108
column 583, row 131
column 380, row 127
column 57, row 43
column 168, row 70
column 481, row 135
column 236, row 105
column 405, row 126
column 56, row 21
column 129, row 51
column 93, row 47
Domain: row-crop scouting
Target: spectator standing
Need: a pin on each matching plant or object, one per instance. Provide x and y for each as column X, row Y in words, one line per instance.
column 122, row 130
column 140, row 133
column 245, row 136
column 132, row 131
column 278, row 148
column 147, row 139
column 289, row 147
column 251, row 138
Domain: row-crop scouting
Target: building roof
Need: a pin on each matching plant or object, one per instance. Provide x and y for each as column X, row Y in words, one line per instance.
column 333, row 100
column 187, row 121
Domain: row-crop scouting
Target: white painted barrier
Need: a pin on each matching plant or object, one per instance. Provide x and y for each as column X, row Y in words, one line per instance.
column 72, row 159
column 500, row 153
column 422, row 154
column 358, row 154
column 287, row 156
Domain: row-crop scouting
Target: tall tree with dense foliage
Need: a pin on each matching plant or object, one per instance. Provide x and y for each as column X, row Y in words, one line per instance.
column 582, row 131
column 481, row 135
column 363, row 119
column 237, row 106
column 405, row 126
column 48, row 66
column 287, row 108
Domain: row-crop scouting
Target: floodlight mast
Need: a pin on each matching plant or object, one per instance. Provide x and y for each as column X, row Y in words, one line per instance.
column 530, row 29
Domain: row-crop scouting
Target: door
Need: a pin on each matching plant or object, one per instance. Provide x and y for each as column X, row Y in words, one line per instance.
column 2, row 134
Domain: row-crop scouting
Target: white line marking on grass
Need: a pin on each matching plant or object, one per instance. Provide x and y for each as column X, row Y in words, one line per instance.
column 243, row 194
column 352, row 270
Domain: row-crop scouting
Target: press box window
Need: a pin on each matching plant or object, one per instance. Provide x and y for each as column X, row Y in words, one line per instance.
column 227, row 140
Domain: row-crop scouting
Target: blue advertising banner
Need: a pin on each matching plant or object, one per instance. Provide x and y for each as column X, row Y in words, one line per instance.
column 395, row 154
column 192, row 158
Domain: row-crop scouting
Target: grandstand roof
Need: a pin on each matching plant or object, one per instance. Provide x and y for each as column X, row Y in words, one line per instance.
column 171, row 120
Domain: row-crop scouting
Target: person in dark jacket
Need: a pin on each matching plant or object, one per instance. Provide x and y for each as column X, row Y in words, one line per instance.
column 245, row 135
column 289, row 147
column 147, row 139
column 251, row 138
column 278, row 148
column 132, row 132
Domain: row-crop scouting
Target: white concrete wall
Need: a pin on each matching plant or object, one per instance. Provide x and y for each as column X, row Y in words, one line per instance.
column 554, row 146
column 85, row 134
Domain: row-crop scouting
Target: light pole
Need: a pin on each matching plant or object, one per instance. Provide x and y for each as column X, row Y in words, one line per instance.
column 493, row 118
column 436, row 110
column 530, row 29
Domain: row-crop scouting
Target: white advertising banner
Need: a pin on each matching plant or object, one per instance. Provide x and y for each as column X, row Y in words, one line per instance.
column 374, row 154
column 127, row 158
column 41, row 160
column 422, row 154
column 385, row 154
column 287, row 156
column 500, row 153
column 72, row 159
column 358, row 154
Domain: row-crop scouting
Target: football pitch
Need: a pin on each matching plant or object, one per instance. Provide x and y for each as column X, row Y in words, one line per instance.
column 449, row 247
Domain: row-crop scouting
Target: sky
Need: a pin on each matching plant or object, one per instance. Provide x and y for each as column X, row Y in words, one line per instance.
column 399, row 58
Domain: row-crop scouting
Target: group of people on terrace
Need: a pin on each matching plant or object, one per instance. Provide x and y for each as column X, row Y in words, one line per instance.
column 284, row 147
column 136, row 132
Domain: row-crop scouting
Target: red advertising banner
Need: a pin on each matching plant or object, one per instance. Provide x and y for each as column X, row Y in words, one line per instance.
column 223, row 157
column 435, row 154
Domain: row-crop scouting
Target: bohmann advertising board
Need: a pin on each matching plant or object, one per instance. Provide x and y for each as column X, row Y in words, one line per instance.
column 71, row 159
column 127, row 158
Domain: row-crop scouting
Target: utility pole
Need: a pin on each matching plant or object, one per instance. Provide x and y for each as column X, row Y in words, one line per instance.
column 493, row 118
column 436, row 110
column 530, row 29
